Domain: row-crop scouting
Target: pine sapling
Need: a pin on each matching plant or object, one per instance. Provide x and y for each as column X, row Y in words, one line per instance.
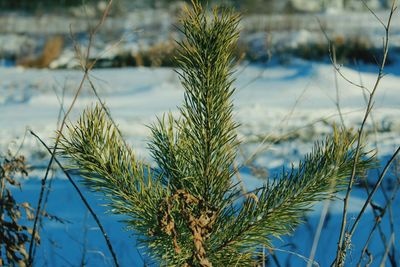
column 189, row 210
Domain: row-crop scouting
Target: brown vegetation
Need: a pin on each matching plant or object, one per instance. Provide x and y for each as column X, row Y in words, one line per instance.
column 14, row 236
column 51, row 51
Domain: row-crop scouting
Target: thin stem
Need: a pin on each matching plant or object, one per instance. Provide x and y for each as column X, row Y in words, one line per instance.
column 327, row 203
column 376, row 186
column 304, row 258
column 340, row 257
column 387, row 250
column 318, row 232
column 86, row 69
column 337, row 102
column 82, row 197
column 61, row 111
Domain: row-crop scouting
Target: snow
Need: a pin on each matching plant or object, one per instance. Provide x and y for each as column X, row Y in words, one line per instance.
column 25, row 36
column 271, row 101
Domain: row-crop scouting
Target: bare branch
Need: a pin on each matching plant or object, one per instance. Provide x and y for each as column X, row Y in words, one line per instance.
column 341, row 251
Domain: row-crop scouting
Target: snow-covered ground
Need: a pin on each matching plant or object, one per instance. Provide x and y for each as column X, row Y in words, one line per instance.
column 294, row 103
column 24, row 36
column 270, row 101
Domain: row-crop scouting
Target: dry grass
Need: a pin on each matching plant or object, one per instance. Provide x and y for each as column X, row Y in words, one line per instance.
column 51, row 51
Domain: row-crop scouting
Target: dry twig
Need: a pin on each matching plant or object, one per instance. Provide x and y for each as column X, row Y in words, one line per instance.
column 345, row 237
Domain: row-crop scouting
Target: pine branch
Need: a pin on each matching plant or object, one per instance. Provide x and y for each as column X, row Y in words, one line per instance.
column 207, row 130
column 100, row 155
column 168, row 152
column 281, row 204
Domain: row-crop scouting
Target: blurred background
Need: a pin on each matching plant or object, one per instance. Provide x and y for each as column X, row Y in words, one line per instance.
column 288, row 96
column 142, row 33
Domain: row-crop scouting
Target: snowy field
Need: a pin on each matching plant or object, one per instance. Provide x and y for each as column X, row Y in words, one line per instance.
column 282, row 110
column 23, row 36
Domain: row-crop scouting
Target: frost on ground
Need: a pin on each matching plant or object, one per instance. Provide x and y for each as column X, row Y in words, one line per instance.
column 281, row 109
